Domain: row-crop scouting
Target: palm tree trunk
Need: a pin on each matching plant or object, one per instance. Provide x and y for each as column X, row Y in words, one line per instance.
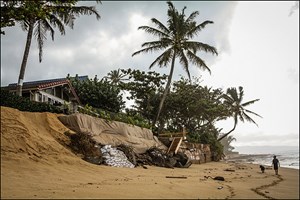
column 223, row 136
column 166, row 90
column 25, row 57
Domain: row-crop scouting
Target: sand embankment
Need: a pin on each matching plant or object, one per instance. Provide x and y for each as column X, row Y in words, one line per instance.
column 36, row 163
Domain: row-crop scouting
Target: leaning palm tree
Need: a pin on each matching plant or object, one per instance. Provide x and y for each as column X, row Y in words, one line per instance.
column 233, row 100
column 175, row 40
column 43, row 16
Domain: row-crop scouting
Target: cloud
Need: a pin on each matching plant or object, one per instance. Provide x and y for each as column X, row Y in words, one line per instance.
column 293, row 75
column 294, row 8
column 269, row 139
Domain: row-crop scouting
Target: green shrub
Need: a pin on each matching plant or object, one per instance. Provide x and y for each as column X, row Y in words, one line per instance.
column 133, row 119
column 24, row 104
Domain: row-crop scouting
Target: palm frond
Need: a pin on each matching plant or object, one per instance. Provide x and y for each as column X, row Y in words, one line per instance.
column 166, row 58
column 56, row 22
column 40, row 34
column 81, row 10
column 24, row 25
column 163, row 59
column 153, row 31
column 199, row 46
column 197, row 61
column 233, row 94
column 241, row 93
column 249, row 102
column 192, row 16
column 228, row 99
column 148, row 49
column 161, row 26
column 194, row 31
column 248, row 118
column 184, row 61
column 171, row 6
column 66, row 17
column 249, row 111
column 162, row 43
column 47, row 27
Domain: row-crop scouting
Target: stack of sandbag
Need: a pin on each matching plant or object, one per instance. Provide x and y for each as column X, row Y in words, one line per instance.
column 114, row 157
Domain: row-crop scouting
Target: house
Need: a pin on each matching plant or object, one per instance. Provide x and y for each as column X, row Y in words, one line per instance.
column 57, row 92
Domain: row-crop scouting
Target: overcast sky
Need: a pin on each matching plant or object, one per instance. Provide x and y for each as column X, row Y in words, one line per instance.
column 257, row 42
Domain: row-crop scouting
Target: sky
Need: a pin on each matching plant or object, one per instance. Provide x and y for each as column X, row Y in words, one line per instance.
column 257, row 44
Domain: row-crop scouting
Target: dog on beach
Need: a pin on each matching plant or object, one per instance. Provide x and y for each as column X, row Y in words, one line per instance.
column 262, row 168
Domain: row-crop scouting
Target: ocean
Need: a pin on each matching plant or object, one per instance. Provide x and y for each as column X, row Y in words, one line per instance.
column 288, row 156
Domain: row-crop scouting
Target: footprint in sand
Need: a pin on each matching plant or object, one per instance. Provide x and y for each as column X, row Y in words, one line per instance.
column 257, row 190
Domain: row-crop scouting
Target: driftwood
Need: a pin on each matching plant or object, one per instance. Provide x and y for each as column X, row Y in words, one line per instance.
column 217, row 178
column 229, row 170
column 183, row 177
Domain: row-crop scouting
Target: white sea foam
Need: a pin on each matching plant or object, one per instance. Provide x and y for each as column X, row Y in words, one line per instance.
column 287, row 156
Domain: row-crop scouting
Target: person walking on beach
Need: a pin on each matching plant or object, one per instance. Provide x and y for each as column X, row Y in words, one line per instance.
column 275, row 163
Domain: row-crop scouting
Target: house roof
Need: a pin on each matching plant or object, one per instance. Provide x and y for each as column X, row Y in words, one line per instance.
column 43, row 84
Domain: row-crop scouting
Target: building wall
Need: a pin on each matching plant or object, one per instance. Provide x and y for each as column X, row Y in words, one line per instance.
column 198, row 153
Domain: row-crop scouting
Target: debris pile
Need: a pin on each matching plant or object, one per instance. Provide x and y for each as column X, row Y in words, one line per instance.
column 83, row 145
column 157, row 157
column 124, row 155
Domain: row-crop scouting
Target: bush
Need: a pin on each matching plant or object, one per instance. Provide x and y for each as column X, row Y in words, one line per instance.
column 129, row 118
column 24, row 104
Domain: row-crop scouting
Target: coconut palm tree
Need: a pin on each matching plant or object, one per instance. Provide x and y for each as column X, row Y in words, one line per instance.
column 226, row 142
column 175, row 39
column 233, row 100
column 43, row 16
column 116, row 76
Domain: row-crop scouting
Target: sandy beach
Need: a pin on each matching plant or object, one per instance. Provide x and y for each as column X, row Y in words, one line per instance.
column 36, row 163
column 30, row 179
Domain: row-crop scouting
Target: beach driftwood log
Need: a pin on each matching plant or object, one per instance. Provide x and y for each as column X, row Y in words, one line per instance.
column 217, row 178
column 183, row 177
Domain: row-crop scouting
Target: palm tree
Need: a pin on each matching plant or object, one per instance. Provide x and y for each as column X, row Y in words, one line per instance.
column 116, row 76
column 174, row 39
column 233, row 100
column 226, row 142
column 44, row 16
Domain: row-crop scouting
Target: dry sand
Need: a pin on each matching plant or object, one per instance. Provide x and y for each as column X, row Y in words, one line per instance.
column 36, row 163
